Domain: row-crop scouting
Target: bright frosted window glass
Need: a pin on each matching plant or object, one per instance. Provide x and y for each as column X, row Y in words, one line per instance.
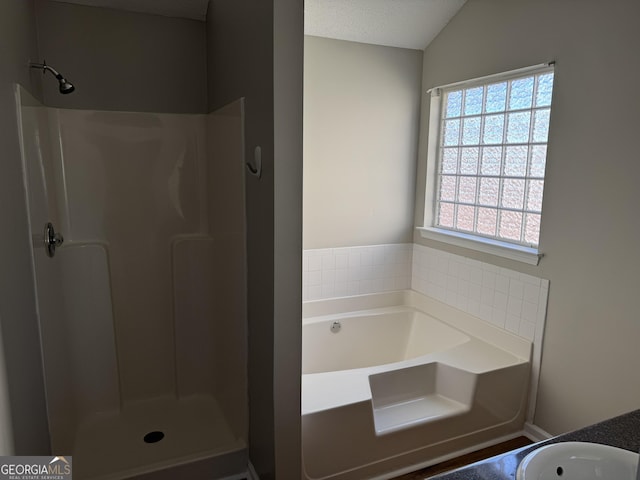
column 450, row 160
column 473, row 101
column 446, row 214
column 541, row 125
column 448, row 188
column 496, row 97
column 487, row 221
column 532, row 227
column 465, row 218
column 492, row 158
column 493, row 129
column 538, row 161
column 452, row 132
column 512, row 193
column 515, row 161
column 521, row 93
column 518, row 127
column 491, row 161
column 471, row 131
column 467, row 190
column 489, row 191
column 454, row 104
column 510, row 225
column 469, row 161
column 534, row 195
column 544, row 90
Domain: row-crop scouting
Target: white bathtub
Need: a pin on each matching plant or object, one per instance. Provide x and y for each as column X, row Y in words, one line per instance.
column 396, row 381
column 374, row 337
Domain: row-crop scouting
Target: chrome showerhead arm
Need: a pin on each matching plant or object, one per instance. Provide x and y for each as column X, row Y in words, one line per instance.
column 45, row 67
column 65, row 85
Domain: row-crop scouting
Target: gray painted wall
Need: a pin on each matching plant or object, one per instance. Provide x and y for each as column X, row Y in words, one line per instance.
column 19, row 324
column 240, row 64
column 361, row 115
column 590, row 230
column 122, row 60
column 288, row 97
column 248, row 57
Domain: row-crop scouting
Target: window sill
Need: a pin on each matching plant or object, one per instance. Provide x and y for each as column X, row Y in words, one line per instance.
column 518, row 253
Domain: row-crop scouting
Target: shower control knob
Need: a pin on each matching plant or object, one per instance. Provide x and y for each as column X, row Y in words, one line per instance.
column 51, row 239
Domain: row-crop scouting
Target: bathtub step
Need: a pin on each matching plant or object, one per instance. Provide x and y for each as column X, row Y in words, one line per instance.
column 412, row 396
column 391, row 418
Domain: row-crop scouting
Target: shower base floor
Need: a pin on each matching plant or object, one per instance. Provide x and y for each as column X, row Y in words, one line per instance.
column 111, row 446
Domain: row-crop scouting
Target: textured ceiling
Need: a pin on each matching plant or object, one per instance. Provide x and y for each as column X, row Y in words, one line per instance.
column 395, row 23
column 195, row 9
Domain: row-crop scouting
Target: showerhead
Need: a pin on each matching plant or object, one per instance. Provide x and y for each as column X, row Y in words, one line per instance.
column 65, row 85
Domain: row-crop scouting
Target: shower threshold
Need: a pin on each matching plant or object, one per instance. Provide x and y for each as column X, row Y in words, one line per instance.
column 152, row 435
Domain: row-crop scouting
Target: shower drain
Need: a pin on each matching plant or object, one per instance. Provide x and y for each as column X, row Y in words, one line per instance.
column 153, row 437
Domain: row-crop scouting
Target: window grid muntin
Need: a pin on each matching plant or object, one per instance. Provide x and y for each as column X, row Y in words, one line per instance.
column 527, row 214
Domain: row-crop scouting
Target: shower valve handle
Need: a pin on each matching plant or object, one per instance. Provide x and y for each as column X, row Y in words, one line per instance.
column 51, row 239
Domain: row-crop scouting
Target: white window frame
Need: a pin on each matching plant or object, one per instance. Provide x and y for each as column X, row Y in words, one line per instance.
column 513, row 251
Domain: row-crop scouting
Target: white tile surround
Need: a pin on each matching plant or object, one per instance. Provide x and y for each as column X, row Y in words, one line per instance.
column 513, row 301
column 339, row 272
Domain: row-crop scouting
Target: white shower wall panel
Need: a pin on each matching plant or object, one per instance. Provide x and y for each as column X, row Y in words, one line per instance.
column 40, row 171
column 74, row 297
column 134, row 181
column 195, row 333
column 38, row 174
column 89, row 332
column 227, row 224
column 149, row 166
column 142, row 310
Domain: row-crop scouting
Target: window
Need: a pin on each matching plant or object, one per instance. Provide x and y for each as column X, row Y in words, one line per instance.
column 491, row 148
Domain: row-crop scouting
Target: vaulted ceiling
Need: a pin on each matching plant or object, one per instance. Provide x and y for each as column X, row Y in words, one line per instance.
column 397, row 23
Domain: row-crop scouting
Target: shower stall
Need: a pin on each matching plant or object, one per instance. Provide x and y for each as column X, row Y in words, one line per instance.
column 142, row 306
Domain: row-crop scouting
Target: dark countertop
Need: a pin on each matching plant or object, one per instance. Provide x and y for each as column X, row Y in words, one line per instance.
column 622, row 432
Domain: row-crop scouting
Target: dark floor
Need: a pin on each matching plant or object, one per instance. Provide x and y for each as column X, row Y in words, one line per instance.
column 466, row 459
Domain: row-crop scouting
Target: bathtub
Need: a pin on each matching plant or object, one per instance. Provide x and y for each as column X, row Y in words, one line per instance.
column 398, row 381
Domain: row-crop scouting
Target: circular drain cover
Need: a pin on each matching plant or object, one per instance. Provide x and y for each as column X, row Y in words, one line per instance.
column 153, row 437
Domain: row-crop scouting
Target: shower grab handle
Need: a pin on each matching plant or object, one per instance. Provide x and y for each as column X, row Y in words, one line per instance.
column 51, row 239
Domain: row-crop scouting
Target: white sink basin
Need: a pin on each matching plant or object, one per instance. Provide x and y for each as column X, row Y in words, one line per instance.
column 578, row 461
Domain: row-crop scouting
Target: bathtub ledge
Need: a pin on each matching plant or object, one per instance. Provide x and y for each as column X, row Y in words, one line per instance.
column 327, row 390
